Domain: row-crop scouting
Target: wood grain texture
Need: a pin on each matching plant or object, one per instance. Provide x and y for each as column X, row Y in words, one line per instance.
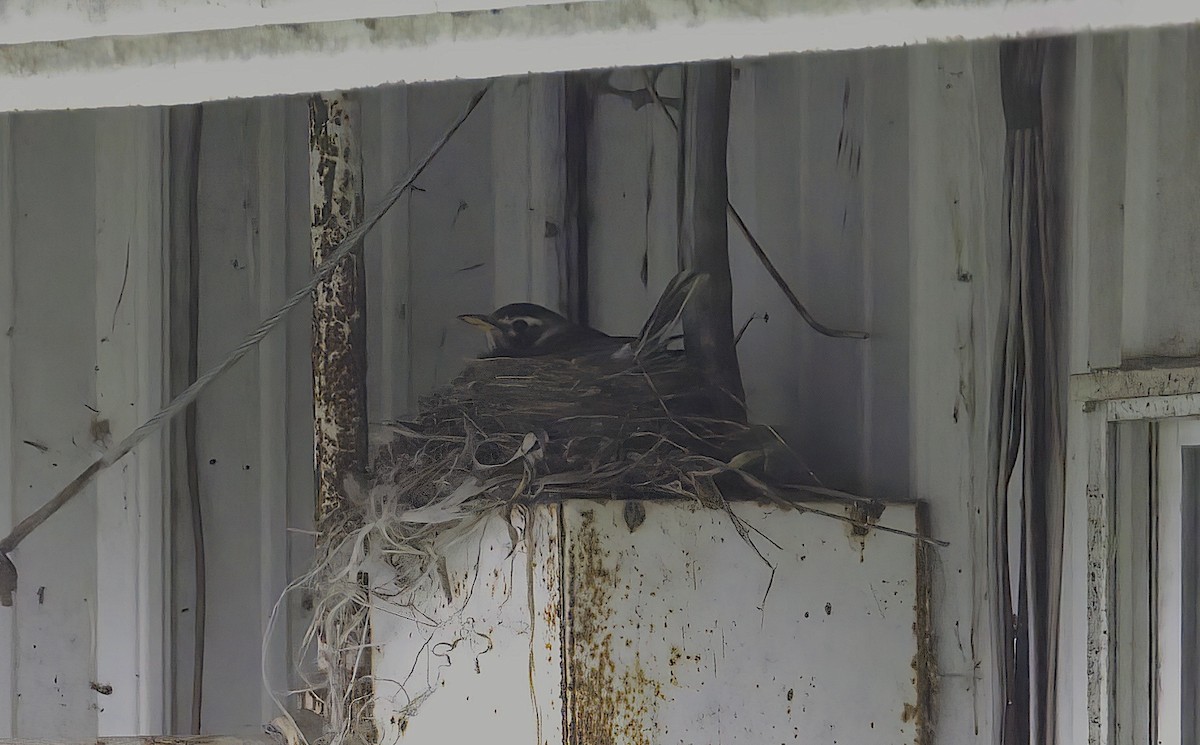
column 704, row 231
column 339, row 325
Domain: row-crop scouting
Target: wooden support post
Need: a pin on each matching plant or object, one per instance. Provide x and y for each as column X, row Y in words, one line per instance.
column 339, row 338
column 703, row 230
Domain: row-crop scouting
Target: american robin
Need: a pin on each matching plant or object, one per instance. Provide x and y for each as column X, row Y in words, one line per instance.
column 529, row 330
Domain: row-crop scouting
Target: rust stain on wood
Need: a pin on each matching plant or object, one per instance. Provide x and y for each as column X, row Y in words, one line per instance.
column 608, row 700
column 338, row 353
column 339, row 321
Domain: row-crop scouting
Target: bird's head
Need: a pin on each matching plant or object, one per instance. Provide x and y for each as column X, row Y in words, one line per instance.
column 522, row 330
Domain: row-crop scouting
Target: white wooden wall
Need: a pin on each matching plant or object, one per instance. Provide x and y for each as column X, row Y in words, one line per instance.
column 81, row 362
column 895, row 231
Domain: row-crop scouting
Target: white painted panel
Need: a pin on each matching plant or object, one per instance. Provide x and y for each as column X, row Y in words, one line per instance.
column 631, row 206
column 53, row 405
column 301, row 503
column 529, row 182
column 956, row 140
column 130, row 367
column 674, row 632
column 383, row 113
column 450, row 232
column 8, row 639
column 1162, row 226
column 273, row 253
column 486, row 662
column 766, row 128
column 229, row 417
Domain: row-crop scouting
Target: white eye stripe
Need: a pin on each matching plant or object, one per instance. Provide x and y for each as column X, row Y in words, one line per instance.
column 529, row 320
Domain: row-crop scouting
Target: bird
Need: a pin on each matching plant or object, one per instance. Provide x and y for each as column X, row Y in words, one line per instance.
column 531, row 330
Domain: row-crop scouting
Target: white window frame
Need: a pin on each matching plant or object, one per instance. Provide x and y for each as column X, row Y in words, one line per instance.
column 1173, row 436
column 1149, row 393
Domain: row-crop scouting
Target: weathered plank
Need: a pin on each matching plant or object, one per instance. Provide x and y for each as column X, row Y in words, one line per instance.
column 704, row 230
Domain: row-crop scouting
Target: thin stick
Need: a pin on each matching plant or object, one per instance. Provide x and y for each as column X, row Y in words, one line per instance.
column 351, row 243
column 816, row 325
column 759, row 251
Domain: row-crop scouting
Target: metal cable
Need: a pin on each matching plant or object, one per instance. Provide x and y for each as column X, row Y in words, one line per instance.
column 351, row 243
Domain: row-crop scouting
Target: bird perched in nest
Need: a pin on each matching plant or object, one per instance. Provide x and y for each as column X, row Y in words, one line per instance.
column 529, row 330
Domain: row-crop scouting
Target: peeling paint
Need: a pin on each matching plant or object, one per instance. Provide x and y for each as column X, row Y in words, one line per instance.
column 656, row 635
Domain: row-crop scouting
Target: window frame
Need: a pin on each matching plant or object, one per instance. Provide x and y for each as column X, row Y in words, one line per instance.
column 1156, row 392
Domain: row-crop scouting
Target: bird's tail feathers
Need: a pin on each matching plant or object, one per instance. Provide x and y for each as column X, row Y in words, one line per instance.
column 656, row 332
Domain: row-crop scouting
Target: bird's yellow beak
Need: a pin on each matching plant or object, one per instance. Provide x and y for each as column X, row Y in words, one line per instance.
column 479, row 321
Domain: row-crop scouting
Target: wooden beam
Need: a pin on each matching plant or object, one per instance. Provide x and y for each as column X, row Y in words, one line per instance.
column 339, row 325
column 339, row 336
column 704, row 231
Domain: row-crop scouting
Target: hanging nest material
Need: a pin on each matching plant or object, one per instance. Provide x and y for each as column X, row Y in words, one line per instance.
column 511, row 431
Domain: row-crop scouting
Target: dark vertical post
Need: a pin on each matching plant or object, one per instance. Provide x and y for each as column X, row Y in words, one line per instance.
column 577, row 107
column 703, row 229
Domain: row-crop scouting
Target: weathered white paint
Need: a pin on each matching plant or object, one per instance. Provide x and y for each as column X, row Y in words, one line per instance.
column 231, row 443
column 1117, row 703
column 490, row 648
column 529, row 182
column 130, row 328
column 1175, row 586
column 198, row 66
column 57, row 20
column 1168, row 378
column 1133, row 537
column 387, row 255
column 273, row 252
column 53, row 376
column 956, row 136
column 8, row 627
column 675, row 631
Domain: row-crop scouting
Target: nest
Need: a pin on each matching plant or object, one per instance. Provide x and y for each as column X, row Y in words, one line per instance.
column 512, row 431
column 555, row 427
column 516, row 431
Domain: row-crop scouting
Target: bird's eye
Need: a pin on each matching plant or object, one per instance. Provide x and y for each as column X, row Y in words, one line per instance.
column 520, row 325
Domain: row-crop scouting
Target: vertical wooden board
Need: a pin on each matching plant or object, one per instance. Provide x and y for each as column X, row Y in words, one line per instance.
column 130, row 509
column 8, row 639
column 228, row 418
column 1100, row 590
column 529, row 176
column 53, row 375
column 766, row 129
column 298, row 332
column 1131, row 544
column 662, row 179
column 887, row 254
column 1162, row 226
column 679, row 632
column 270, row 246
column 510, row 150
column 625, row 159
column 956, row 142
column 486, row 663
column 829, row 201
column 1073, row 650
column 546, row 214
column 1096, row 227
column 450, row 232
column 385, row 126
